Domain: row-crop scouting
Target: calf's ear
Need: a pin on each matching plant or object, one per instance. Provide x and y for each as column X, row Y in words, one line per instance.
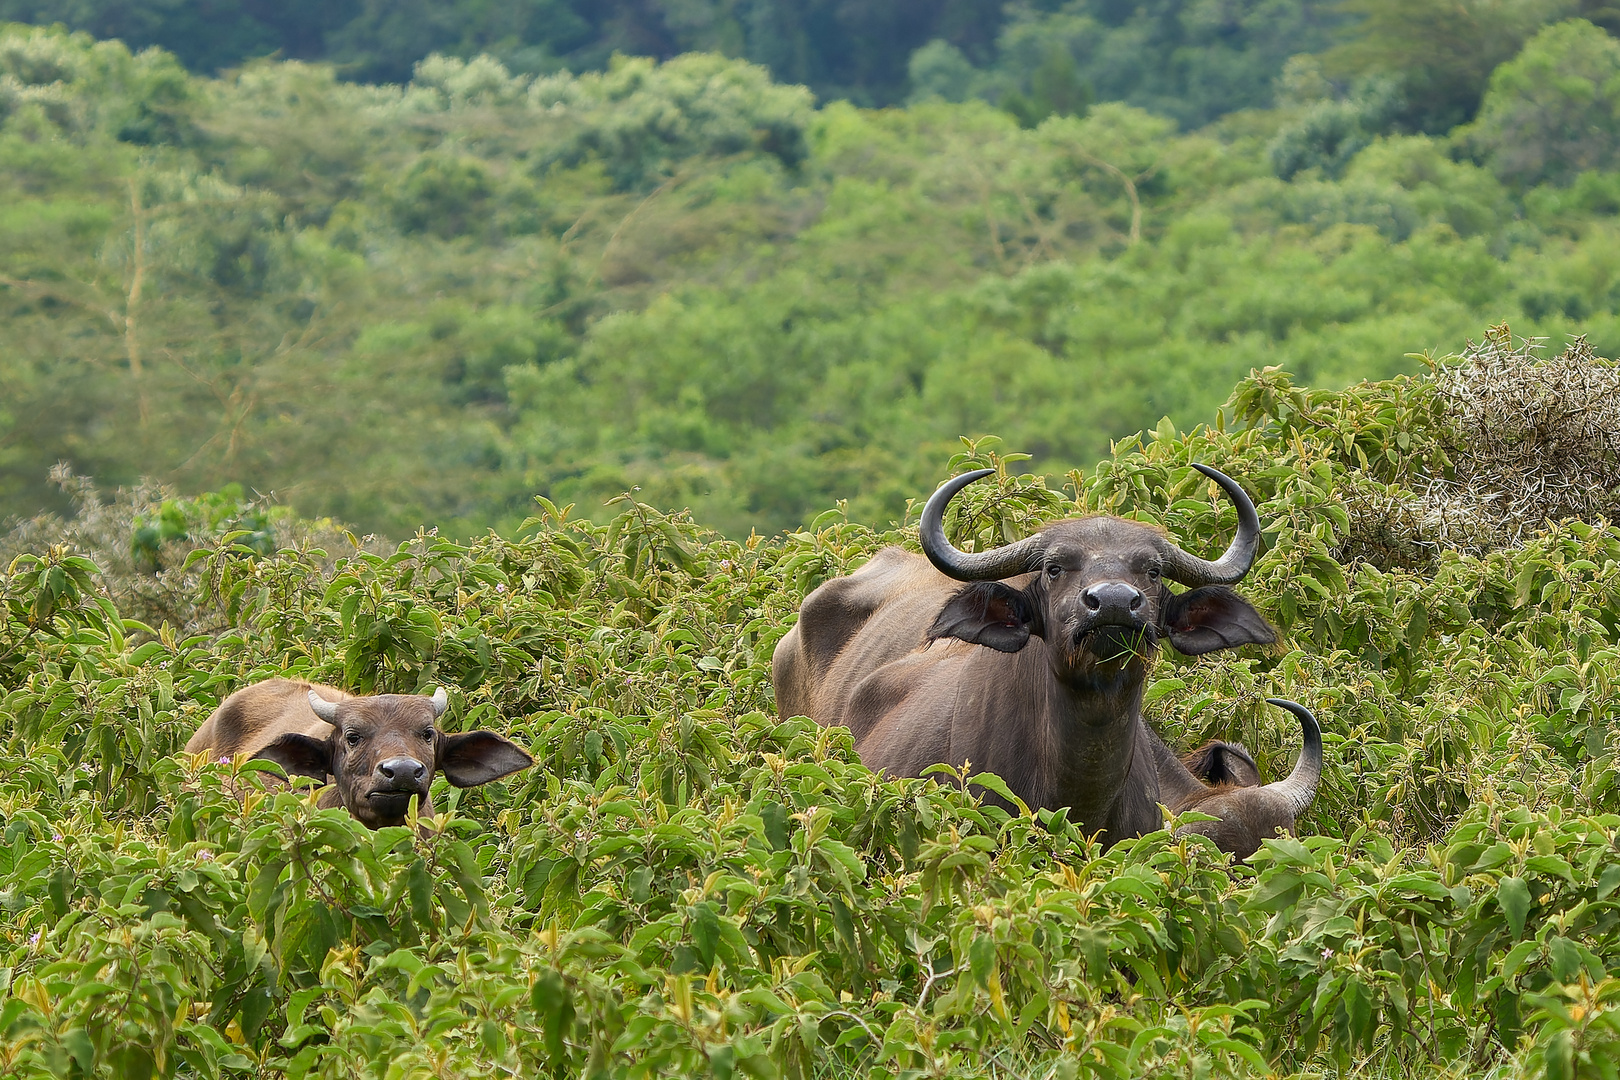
column 299, row 755
column 1214, row 617
column 988, row 613
column 477, row 757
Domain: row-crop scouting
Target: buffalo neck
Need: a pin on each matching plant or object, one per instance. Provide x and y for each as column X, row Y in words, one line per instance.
column 1100, row 766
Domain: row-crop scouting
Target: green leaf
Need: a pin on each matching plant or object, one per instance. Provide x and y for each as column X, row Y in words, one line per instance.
column 992, row 782
column 982, row 958
column 1514, row 896
column 1560, row 1055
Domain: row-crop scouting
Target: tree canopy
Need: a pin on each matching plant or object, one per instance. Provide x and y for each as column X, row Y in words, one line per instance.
column 429, row 302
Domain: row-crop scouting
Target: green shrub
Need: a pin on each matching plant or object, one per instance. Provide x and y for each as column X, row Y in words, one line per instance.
column 688, row 884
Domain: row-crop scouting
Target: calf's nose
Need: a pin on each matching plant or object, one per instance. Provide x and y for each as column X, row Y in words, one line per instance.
column 401, row 768
column 1113, row 597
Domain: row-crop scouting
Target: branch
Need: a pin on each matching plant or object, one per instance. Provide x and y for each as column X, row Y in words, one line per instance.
column 1130, row 187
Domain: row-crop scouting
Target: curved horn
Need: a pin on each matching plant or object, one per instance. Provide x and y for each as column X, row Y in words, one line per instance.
column 326, row 710
column 440, row 702
column 1300, row 786
column 1230, row 567
column 1002, row 562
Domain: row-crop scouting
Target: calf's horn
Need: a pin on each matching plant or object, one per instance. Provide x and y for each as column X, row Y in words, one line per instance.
column 326, row 710
column 1230, row 567
column 1299, row 788
column 993, row 565
column 440, row 702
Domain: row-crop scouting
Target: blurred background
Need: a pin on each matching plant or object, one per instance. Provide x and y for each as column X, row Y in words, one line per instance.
column 411, row 263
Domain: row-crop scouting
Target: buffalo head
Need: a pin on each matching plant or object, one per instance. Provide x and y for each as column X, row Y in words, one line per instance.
column 384, row 750
column 1250, row 813
column 1099, row 595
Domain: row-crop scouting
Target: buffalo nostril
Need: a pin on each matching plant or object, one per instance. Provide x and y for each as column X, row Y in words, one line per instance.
column 1092, row 600
column 1136, row 602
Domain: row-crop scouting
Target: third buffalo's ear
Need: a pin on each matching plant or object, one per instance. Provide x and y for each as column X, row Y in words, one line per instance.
column 300, row 755
column 1223, row 764
column 893, row 652
column 477, row 757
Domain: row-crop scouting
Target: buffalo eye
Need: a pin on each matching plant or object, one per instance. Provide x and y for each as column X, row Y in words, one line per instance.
column 426, row 734
column 352, row 738
column 1054, row 570
column 1153, row 573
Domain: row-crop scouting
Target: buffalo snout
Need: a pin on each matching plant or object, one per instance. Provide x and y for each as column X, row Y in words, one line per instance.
column 1114, row 599
column 402, row 772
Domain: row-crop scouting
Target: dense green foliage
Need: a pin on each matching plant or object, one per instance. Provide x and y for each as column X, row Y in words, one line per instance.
column 857, row 51
column 1187, row 59
column 396, row 305
column 686, row 884
column 1551, row 112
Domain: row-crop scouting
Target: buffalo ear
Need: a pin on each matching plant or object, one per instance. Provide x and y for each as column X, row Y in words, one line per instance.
column 477, row 757
column 988, row 613
column 1223, row 763
column 299, row 755
column 1202, row 620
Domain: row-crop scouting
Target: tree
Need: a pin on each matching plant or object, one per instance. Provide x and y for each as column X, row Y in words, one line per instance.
column 1056, row 89
column 1553, row 111
column 1443, row 51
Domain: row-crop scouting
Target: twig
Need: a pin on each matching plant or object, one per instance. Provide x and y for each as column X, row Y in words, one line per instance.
column 870, row 1034
column 932, row 977
column 991, row 225
column 132, row 302
column 657, row 191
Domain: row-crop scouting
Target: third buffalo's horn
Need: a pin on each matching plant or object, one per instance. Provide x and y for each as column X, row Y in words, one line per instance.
column 1230, row 567
column 993, row 565
column 1299, row 787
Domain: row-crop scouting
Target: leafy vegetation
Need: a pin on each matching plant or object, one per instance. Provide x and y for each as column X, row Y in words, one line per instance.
column 688, row 884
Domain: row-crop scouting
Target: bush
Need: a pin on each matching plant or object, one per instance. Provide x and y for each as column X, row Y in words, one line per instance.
column 688, row 884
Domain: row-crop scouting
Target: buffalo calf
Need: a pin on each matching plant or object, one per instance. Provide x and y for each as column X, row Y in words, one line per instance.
column 376, row 753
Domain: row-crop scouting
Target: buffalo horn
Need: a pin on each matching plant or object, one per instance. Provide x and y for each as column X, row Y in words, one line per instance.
column 440, row 702
column 1230, row 567
column 326, row 710
column 1300, row 786
column 1002, row 562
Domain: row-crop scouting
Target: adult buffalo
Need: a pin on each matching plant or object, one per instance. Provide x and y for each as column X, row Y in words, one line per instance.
column 379, row 751
column 1034, row 669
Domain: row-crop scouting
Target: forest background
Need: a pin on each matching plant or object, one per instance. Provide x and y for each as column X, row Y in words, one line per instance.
column 402, row 263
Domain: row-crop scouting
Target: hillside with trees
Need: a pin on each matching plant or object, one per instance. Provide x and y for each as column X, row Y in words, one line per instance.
column 398, row 304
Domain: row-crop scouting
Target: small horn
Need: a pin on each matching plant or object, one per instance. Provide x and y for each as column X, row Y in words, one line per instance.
column 326, row 710
column 441, row 701
column 1002, row 562
column 1300, row 786
column 1230, row 567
